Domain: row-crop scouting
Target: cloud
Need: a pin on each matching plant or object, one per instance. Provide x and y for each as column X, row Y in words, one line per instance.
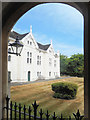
column 42, row 38
column 68, row 50
column 65, row 49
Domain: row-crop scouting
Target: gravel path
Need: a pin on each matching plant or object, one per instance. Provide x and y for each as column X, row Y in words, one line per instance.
column 30, row 82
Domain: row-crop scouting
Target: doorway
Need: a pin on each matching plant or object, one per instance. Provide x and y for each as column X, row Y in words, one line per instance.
column 28, row 75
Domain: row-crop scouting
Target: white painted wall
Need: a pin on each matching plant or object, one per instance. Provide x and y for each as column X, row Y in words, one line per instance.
column 19, row 67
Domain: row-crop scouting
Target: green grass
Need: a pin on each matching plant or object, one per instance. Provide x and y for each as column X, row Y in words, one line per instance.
column 43, row 94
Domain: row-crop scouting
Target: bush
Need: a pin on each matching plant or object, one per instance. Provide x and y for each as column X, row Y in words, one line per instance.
column 64, row 90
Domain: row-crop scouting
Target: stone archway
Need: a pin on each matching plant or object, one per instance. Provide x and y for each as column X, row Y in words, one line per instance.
column 11, row 12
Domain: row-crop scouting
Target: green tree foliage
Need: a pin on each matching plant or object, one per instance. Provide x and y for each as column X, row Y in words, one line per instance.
column 63, row 64
column 73, row 66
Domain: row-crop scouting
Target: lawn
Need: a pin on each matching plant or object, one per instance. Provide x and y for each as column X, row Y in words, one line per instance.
column 43, row 94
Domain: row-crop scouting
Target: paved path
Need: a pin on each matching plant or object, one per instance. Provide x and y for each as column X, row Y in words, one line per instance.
column 30, row 82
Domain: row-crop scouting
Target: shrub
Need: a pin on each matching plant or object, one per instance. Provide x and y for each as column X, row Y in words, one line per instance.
column 64, row 90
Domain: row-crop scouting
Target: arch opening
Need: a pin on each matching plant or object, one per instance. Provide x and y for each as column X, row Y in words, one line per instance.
column 49, row 72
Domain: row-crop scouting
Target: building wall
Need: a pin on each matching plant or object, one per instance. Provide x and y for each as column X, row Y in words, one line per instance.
column 19, row 67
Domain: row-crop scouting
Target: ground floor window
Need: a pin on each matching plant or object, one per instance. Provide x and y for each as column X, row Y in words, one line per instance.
column 9, row 75
column 38, row 73
column 49, row 73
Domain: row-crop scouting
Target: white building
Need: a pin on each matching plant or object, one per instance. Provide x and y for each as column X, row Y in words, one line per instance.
column 37, row 61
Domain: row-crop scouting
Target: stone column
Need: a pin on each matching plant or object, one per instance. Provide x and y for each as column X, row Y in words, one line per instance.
column 0, row 61
column 86, row 63
column 4, row 68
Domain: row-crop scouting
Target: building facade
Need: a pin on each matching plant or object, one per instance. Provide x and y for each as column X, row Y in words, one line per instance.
column 37, row 61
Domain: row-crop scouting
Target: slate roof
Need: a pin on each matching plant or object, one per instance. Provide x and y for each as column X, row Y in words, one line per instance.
column 14, row 34
column 43, row 47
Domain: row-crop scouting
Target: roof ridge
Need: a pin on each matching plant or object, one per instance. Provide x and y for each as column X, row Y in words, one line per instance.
column 19, row 33
column 14, row 34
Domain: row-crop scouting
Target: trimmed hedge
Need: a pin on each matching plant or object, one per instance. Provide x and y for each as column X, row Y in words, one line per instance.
column 64, row 90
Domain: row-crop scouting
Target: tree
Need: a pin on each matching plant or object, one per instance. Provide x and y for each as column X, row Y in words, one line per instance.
column 63, row 64
column 76, row 65
column 73, row 66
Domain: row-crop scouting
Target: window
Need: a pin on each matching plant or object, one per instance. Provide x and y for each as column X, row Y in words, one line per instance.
column 50, row 61
column 30, row 60
column 54, row 73
column 38, row 57
column 9, row 75
column 29, row 57
column 27, row 54
column 49, row 73
column 54, row 63
column 30, row 43
column 38, row 60
column 27, row 60
column 30, row 54
column 38, row 74
column 9, row 50
column 50, row 51
column 9, row 58
column 27, row 42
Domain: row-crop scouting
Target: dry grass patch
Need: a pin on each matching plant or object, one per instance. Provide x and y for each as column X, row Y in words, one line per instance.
column 43, row 94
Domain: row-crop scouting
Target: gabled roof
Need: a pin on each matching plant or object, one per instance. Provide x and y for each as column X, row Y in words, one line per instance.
column 43, row 47
column 14, row 34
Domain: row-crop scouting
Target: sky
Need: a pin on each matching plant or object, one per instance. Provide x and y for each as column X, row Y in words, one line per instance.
column 56, row 22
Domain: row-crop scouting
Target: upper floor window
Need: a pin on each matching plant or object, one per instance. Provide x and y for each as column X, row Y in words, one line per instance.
column 29, row 57
column 30, row 60
column 27, row 60
column 50, row 61
column 9, row 58
column 27, row 54
column 9, row 50
column 30, row 43
column 27, row 42
column 50, row 51
column 30, row 54
column 54, row 63
column 38, row 60
column 49, row 73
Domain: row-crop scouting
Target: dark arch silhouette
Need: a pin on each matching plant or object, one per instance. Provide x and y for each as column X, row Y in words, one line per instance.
column 12, row 11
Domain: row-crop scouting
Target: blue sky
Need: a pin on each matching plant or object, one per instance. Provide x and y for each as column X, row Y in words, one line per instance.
column 58, row 22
